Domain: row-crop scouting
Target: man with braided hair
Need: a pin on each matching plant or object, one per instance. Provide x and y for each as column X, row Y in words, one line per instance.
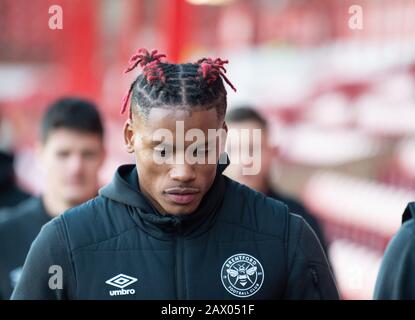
column 172, row 226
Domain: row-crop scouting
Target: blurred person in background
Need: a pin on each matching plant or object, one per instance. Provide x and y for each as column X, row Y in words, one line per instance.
column 10, row 193
column 171, row 226
column 396, row 277
column 71, row 149
column 246, row 117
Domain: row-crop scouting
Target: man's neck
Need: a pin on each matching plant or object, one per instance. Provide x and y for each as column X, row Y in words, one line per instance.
column 53, row 205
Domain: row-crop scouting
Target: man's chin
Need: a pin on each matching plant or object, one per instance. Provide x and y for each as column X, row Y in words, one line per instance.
column 178, row 210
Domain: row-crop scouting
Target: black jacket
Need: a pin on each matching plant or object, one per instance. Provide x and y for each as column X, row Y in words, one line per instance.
column 237, row 244
column 296, row 207
column 10, row 193
column 396, row 278
column 16, row 235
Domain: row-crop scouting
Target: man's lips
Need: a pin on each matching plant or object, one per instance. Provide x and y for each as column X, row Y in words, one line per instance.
column 181, row 195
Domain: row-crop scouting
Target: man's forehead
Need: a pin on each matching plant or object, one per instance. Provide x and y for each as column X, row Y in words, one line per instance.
column 174, row 118
column 180, row 112
column 69, row 135
column 166, row 113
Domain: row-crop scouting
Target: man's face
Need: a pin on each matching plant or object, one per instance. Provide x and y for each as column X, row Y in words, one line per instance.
column 72, row 161
column 172, row 183
column 260, row 151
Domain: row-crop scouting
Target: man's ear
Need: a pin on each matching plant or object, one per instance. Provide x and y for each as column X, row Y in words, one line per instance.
column 225, row 126
column 129, row 135
column 223, row 138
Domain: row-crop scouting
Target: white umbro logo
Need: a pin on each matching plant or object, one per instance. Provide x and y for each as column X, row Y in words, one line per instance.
column 121, row 281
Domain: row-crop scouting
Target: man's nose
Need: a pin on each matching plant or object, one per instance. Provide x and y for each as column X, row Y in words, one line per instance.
column 183, row 173
column 76, row 163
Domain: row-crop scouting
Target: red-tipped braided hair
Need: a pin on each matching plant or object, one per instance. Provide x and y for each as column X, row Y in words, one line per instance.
column 166, row 84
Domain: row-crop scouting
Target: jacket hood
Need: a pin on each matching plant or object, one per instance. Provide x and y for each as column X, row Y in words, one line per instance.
column 124, row 188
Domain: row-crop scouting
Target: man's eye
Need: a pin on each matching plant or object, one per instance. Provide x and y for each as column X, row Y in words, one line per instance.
column 200, row 152
column 161, row 152
column 63, row 154
column 89, row 155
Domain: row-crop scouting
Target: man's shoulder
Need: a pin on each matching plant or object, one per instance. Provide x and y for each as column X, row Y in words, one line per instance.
column 17, row 233
column 93, row 222
column 409, row 213
column 21, row 213
column 406, row 234
column 12, row 196
column 395, row 275
column 248, row 208
column 293, row 204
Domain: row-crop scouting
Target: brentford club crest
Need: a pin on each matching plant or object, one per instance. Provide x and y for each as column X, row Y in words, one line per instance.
column 242, row 275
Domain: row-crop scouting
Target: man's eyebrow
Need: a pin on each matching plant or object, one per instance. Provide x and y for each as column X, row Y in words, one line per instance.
column 157, row 142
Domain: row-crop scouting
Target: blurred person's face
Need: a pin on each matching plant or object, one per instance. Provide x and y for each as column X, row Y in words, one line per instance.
column 72, row 160
column 173, row 186
column 261, row 152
